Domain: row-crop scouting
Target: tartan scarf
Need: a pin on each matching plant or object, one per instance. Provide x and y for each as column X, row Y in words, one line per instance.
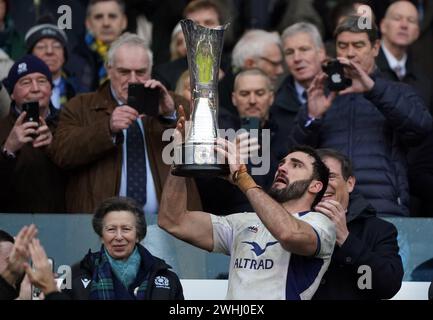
column 101, row 49
column 102, row 287
column 125, row 271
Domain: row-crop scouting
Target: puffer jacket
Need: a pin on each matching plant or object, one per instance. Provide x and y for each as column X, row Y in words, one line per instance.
column 374, row 130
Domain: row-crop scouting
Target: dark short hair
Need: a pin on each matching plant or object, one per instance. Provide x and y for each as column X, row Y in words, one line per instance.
column 320, row 170
column 120, row 204
column 197, row 5
column 345, row 163
column 121, row 4
column 6, row 237
column 351, row 24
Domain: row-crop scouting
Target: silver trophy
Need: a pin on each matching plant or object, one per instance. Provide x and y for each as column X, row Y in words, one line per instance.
column 197, row 155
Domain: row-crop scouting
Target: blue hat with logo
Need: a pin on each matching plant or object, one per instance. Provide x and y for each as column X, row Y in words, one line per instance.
column 24, row 66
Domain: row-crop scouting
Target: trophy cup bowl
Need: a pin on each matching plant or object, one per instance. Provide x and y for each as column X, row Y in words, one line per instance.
column 197, row 156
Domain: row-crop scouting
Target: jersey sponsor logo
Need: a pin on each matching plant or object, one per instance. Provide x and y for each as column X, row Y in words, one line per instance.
column 245, row 263
column 256, row 247
column 260, row 264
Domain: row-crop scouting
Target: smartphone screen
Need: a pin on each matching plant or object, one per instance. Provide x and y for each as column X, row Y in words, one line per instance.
column 249, row 123
column 144, row 100
column 32, row 109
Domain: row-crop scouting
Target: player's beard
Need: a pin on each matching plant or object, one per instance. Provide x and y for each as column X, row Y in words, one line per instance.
column 293, row 191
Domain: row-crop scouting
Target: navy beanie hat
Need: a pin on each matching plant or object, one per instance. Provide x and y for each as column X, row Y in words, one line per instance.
column 42, row 31
column 24, row 66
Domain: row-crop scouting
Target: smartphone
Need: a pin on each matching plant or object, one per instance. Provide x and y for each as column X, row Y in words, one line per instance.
column 32, row 109
column 336, row 79
column 144, row 100
column 249, row 123
column 36, row 292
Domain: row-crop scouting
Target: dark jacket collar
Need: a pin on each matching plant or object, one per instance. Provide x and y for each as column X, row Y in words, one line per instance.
column 107, row 101
column 148, row 261
column 383, row 65
column 52, row 118
column 286, row 96
column 359, row 208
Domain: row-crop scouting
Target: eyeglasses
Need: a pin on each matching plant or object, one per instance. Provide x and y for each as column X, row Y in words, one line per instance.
column 276, row 64
column 44, row 47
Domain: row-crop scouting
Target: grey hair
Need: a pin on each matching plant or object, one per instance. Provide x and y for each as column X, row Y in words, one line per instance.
column 120, row 204
column 128, row 39
column 304, row 27
column 254, row 72
column 252, row 45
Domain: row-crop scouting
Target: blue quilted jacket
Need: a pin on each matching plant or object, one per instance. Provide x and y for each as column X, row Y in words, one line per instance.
column 374, row 129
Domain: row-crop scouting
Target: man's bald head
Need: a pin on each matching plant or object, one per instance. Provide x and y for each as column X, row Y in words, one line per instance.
column 400, row 26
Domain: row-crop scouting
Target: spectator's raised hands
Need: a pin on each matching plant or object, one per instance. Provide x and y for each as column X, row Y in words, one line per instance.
column 166, row 102
column 41, row 274
column 122, row 117
column 318, row 102
column 335, row 211
column 19, row 254
column 361, row 81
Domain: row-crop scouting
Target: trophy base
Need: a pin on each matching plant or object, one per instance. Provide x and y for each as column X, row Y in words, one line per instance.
column 199, row 160
column 200, row 170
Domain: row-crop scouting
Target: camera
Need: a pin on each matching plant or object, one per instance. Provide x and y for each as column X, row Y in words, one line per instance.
column 144, row 100
column 336, row 80
column 32, row 110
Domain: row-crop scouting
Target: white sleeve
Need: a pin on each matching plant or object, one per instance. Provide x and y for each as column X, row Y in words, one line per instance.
column 325, row 230
column 222, row 234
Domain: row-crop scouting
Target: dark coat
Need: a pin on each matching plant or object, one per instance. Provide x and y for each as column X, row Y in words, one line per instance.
column 31, row 183
column 7, row 292
column 150, row 267
column 420, row 158
column 83, row 64
column 371, row 242
column 374, row 130
column 285, row 108
column 83, row 144
column 414, row 77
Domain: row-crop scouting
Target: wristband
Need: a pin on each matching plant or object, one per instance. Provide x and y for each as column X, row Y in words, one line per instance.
column 243, row 180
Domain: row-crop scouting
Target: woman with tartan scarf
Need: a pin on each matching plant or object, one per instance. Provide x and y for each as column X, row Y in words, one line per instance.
column 123, row 269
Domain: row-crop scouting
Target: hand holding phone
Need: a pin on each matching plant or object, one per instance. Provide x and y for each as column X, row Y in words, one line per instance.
column 336, row 81
column 32, row 114
column 144, row 100
column 249, row 123
column 32, row 110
